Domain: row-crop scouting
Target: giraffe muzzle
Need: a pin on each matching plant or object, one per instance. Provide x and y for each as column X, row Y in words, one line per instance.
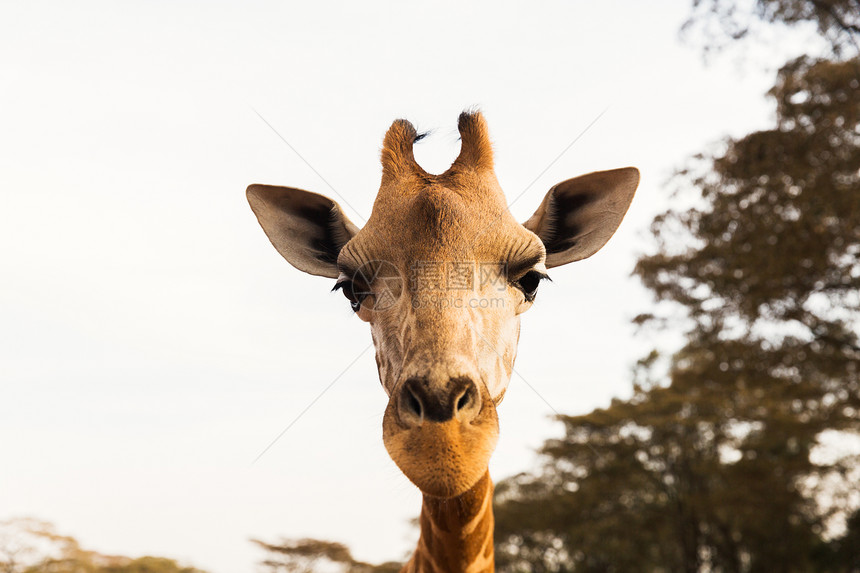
column 441, row 432
column 419, row 401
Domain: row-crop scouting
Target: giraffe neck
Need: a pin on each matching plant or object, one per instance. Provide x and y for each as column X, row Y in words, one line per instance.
column 456, row 533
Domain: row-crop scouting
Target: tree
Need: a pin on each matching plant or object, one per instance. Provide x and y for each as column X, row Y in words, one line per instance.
column 709, row 466
column 309, row 555
column 721, row 22
column 34, row 546
column 146, row 564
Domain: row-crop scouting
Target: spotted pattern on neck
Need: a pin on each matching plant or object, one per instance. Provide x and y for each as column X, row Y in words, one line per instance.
column 456, row 533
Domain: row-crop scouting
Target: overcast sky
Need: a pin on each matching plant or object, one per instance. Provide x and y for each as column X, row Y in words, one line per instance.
column 153, row 343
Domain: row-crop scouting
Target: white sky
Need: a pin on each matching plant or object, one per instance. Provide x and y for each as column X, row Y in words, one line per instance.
column 152, row 342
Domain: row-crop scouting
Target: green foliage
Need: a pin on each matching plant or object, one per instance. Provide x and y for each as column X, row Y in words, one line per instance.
column 33, row 546
column 779, row 228
column 147, row 565
column 711, row 465
column 308, row 555
column 720, row 22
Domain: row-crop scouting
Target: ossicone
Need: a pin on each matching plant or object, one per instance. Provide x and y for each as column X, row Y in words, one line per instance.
column 476, row 151
column 398, row 159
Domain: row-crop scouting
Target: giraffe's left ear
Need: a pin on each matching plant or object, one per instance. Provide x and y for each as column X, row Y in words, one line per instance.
column 309, row 230
column 578, row 216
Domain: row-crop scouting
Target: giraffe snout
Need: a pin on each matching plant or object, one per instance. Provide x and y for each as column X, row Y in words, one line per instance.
column 420, row 400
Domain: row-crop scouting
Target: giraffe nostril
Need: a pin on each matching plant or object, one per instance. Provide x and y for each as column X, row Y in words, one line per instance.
column 421, row 401
column 413, row 404
column 463, row 401
column 468, row 403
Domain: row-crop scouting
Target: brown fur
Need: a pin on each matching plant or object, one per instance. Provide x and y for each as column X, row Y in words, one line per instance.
column 438, row 341
column 456, row 533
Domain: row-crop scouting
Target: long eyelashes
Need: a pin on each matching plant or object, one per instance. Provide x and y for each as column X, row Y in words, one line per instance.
column 529, row 283
column 354, row 296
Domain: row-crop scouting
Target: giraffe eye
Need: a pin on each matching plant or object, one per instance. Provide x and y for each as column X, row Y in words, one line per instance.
column 529, row 282
column 353, row 293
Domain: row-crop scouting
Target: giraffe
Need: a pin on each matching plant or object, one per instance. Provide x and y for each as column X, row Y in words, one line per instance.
column 442, row 272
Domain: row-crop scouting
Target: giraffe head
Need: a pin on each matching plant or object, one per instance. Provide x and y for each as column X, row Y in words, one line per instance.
column 441, row 271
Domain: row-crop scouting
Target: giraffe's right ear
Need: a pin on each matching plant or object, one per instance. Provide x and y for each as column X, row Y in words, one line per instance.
column 309, row 230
